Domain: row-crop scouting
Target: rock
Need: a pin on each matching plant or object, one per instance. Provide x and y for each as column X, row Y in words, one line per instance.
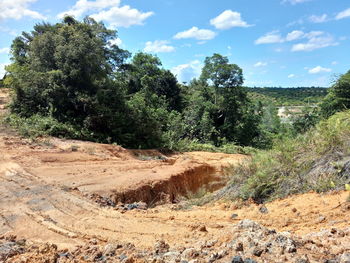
column 321, row 219
column 237, row 259
column 123, row 257
column 345, row 258
column 263, row 209
column 190, row 253
column 302, row 260
column 110, row 249
column 249, row 225
column 294, row 210
column 248, row 260
column 161, row 247
column 203, row 228
column 172, row 256
column 239, row 246
column 257, row 251
column 233, row 216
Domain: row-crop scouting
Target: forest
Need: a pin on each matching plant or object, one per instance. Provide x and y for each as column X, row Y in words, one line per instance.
column 69, row 80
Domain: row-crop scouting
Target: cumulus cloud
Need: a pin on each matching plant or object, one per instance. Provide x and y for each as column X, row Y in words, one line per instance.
column 83, row 6
column 158, row 46
column 343, row 14
column 295, row 35
column 4, row 50
column 319, row 19
column 109, row 11
column 196, row 33
column 124, row 16
column 290, row 76
column 316, row 40
column 270, row 38
column 186, row 72
column 17, row 9
column 228, row 19
column 260, row 64
column 319, row 69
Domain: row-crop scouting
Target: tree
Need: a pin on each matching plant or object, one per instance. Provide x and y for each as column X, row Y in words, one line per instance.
column 219, row 108
column 338, row 98
column 66, row 71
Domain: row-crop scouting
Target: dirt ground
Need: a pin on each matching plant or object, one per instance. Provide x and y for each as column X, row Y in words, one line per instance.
column 68, row 193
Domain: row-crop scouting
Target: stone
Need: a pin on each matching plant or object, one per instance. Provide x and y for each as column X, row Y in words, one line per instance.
column 237, row 259
column 161, row 247
column 345, row 258
column 263, row 209
column 233, row 216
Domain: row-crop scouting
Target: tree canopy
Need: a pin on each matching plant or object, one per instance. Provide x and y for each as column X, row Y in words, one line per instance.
column 70, row 73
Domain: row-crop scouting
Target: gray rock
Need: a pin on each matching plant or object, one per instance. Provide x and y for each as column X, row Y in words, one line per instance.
column 237, row 259
column 263, row 209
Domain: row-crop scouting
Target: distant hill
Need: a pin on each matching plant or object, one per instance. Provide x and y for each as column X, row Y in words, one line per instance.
column 289, row 96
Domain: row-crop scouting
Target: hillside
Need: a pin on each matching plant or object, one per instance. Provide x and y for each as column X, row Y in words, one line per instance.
column 290, row 96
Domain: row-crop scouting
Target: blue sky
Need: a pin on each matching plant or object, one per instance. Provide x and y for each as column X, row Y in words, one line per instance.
column 276, row 42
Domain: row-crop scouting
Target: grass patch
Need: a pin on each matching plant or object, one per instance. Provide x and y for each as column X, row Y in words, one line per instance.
column 318, row 160
column 230, row 148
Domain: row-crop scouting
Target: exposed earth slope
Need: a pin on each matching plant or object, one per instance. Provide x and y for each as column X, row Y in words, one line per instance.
column 80, row 196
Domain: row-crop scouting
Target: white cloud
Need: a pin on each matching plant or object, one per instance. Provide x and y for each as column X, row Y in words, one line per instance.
column 270, row 38
column 294, row 2
column 290, row 76
column 4, row 50
column 109, row 11
column 319, row 69
column 124, row 16
column 17, row 9
column 260, row 64
column 116, row 42
column 343, row 14
column 83, row 6
column 316, row 40
column 295, row 35
column 186, row 72
column 228, row 19
column 195, row 32
column 158, row 46
column 334, row 62
column 319, row 19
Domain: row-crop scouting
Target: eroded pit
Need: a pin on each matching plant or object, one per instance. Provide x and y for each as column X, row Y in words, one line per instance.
column 112, row 175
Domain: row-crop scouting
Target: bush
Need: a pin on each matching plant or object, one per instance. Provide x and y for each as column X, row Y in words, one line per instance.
column 37, row 126
column 315, row 161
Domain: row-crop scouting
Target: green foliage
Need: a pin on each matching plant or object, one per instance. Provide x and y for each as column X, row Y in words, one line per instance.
column 338, row 98
column 296, row 165
column 289, row 96
column 70, row 75
column 38, row 126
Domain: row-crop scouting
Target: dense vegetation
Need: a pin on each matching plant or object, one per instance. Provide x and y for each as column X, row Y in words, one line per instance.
column 69, row 80
column 290, row 96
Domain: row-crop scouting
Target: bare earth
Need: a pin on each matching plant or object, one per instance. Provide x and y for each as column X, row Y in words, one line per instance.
column 69, row 193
